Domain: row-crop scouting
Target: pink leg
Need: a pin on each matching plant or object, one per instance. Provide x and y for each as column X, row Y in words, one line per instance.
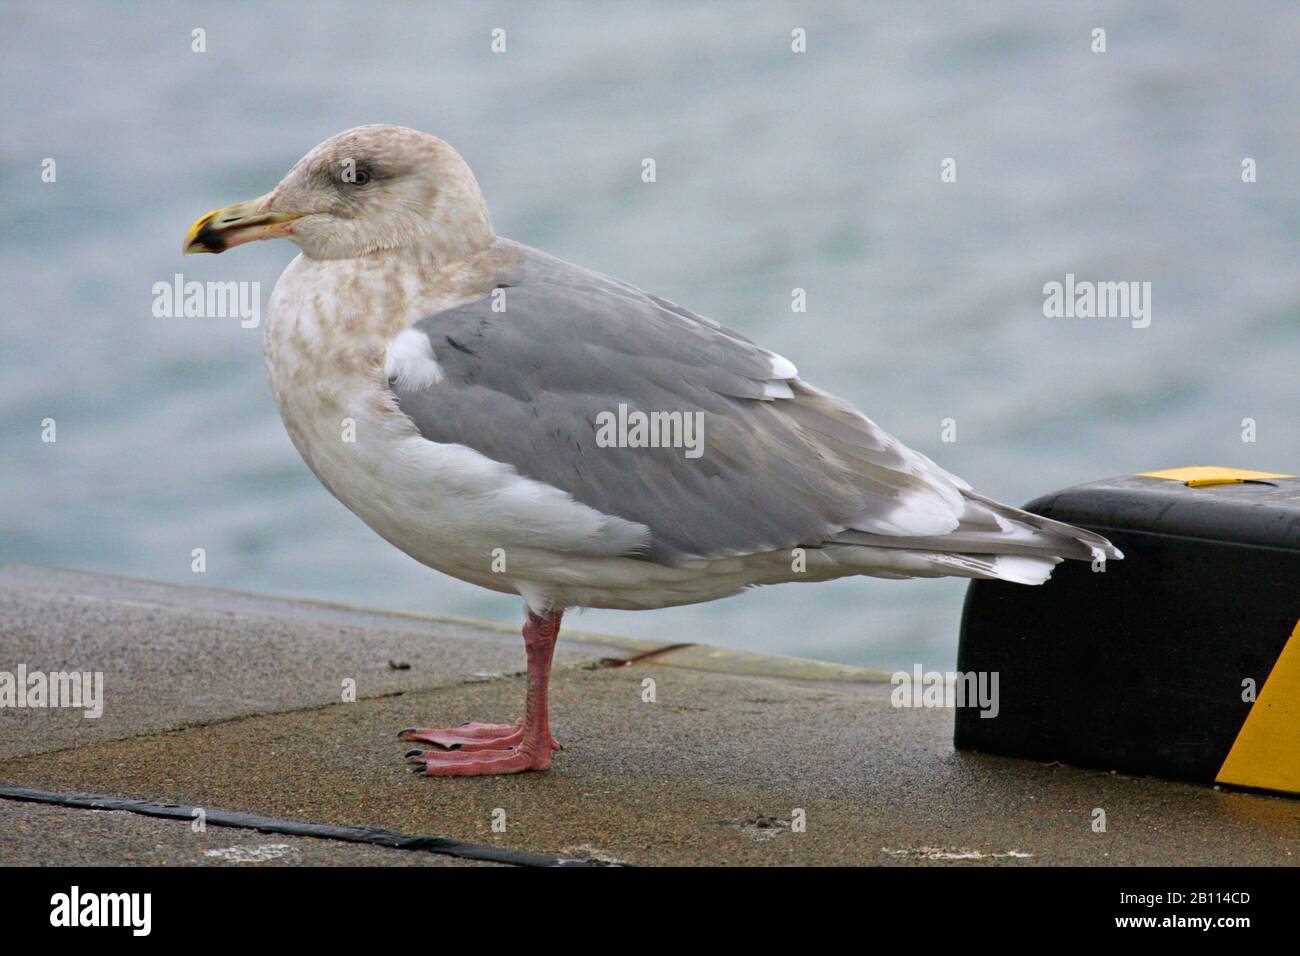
column 474, row 748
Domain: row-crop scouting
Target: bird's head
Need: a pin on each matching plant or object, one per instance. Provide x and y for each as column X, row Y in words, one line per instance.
column 367, row 189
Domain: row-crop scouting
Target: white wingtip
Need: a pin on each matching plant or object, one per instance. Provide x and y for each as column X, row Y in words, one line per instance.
column 782, row 367
column 1023, row 570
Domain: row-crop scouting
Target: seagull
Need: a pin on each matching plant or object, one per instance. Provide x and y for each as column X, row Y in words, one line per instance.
column 542, row 430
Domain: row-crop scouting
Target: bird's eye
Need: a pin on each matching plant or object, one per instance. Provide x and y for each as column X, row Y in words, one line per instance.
column 361, row 176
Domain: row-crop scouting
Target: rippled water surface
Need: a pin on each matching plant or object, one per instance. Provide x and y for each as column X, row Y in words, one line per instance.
column 775, row 170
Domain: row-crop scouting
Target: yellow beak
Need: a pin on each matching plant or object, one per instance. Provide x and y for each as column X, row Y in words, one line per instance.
column 235, row 225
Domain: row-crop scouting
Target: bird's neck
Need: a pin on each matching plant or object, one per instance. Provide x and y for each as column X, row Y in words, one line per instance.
column 376, row 296
column 458, row 225
column 452, row 239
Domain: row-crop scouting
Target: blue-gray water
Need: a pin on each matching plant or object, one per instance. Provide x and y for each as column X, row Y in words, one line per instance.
column 775, row 170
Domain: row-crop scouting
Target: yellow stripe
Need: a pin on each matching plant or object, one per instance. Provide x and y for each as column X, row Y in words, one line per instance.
column 1198, row 476
column 1266, row 752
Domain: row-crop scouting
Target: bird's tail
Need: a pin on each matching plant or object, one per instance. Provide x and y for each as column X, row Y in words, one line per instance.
column 992, row 540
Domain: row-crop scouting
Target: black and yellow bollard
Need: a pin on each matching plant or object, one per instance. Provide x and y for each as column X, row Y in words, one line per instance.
column 1182, row 660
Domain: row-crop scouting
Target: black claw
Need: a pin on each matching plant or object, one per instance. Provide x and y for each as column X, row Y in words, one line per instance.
column 419, row 769
column 408, row 730
column 413, row 753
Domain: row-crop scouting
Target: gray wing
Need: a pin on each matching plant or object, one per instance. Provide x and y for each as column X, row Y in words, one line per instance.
column 781, row 464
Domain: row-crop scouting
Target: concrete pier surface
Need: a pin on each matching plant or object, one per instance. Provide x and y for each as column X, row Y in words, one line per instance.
column 241, row 704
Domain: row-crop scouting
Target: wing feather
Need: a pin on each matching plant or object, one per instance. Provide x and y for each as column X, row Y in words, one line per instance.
column 782, row 464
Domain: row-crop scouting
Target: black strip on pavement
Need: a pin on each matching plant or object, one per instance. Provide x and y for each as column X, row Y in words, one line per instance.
column 376, row 836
